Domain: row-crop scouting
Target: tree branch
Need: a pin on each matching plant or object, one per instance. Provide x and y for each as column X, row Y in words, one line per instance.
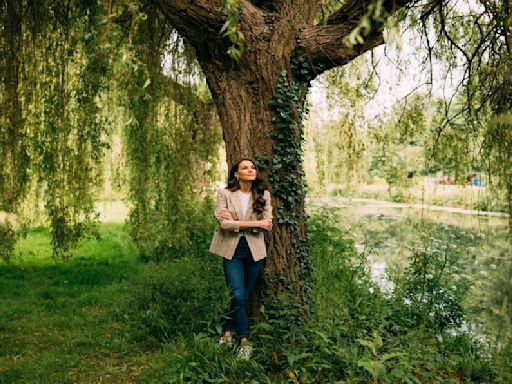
column 197, row 21
column 269, row 5
column 307, row 8
column 324, row 44
column 324, row 47
column 302, row 12
column 352, row 11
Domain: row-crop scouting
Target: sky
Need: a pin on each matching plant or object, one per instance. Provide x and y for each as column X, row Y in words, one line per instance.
column 400, row 72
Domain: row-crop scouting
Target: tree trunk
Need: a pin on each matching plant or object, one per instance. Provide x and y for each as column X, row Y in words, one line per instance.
column 274, row 34
column 242, row 95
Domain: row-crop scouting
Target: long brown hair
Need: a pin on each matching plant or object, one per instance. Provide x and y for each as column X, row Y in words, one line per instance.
column 258, row 186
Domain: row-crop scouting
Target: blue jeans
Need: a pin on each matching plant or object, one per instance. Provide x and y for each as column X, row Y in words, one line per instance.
column 240, row 273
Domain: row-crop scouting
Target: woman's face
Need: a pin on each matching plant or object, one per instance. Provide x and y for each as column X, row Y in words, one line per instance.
column 246, row 171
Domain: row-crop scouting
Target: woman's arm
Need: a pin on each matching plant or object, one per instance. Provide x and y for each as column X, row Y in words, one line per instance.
column 226, row 219
column 266, row 222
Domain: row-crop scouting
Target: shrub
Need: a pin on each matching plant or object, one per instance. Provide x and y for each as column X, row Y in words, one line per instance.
column 430, row 290
column 354, row 333
column 196, row 226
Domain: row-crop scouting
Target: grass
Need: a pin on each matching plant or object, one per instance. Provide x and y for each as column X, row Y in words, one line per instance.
column 72, row 322
column 107, row 317
column 58, row 320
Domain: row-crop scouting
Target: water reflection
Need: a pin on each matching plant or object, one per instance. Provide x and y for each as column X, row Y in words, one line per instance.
column 387, row 233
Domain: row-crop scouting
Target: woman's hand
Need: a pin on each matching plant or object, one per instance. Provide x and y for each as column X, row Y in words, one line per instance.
column 265, row 224
column 225, row 214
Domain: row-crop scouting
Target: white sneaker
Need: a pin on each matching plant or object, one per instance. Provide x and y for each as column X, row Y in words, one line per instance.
column 244, row 352
column 226, row 340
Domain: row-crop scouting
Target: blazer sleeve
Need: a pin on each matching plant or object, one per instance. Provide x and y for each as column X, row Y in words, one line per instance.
column 228, row 225
column 267, row 210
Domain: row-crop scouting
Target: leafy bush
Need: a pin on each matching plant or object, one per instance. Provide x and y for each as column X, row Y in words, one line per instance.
column 430, row 290
column 196, row 226
column 344, row 291
column 355, row 333
column 490, row 203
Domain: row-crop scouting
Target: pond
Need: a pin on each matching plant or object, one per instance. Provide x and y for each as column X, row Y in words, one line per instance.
column 390, row 234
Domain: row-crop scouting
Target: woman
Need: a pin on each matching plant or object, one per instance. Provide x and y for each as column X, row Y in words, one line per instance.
column 243, row 211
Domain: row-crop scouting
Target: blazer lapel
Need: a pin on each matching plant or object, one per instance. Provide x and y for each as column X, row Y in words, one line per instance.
column 235, row 200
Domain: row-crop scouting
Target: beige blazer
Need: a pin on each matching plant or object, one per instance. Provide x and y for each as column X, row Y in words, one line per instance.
column 227, row 234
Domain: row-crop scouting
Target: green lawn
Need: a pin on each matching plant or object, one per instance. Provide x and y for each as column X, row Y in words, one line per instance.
column 58, row 321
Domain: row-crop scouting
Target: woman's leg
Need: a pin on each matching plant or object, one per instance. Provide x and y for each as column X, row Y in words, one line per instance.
column 251, row 271
column 234, row 271
column 234, row 274
column 241, row 273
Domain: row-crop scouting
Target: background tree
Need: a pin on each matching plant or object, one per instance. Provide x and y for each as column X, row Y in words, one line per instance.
column 12, row 146
column 53, row 136
column 170, row 137
column 338, row 135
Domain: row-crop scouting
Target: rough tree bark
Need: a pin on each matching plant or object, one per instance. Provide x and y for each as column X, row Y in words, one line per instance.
column 243, row 89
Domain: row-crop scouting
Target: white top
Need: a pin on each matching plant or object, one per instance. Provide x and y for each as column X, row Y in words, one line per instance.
column 245, row 198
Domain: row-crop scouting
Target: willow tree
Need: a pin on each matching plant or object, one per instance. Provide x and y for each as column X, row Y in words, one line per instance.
column 74, row 76
column 13, row 158
column 170, row 134
column 258, row 58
